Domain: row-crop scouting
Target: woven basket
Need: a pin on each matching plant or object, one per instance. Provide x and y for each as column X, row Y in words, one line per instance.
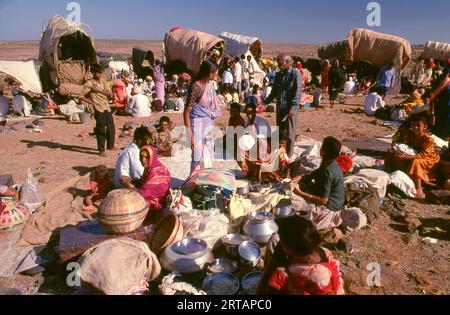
column 168, row 231
column 12, row 214
column 122, row 211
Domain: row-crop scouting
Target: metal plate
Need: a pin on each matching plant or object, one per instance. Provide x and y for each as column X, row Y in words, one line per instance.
column 234, row 239
column 221, row 283
column 251, row 281
column 223, row 265
column 190, row 246
column 250, row 251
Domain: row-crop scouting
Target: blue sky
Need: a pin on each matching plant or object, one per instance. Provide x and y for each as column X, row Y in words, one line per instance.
column 290, row 21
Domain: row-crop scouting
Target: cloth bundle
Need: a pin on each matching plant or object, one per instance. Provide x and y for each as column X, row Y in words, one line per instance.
column 119, row 266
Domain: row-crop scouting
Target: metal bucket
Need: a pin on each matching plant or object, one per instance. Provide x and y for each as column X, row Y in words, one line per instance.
column 85, row 117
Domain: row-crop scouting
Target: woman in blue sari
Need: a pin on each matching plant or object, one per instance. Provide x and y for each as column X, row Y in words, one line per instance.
column 202, row 109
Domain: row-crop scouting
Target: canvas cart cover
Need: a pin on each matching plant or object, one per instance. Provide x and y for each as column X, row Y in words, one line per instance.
column 50, row 46
column 189, row 46
column 238, row 45
column 380, row 49
column 143, row 57
column 335, row 50
column 436, row 50
column 24, row 72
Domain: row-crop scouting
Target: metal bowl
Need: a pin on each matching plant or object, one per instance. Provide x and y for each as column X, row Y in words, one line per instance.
column 221, row 283
column 223, row 265
column 232, row 242
column 191, row 247
column 243, row 187
column 251, row 281
column 250, row 254
column 283, row 209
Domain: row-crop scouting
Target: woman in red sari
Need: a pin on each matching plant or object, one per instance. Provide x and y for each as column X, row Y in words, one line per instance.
column 155, row 183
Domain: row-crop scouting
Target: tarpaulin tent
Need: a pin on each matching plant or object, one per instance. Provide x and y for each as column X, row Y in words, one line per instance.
column 66, row 52
column 238, row 45
column 436, row 50
column 23, row 72
column 191, row 47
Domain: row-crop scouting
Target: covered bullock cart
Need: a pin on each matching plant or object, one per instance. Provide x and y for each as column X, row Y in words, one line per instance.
column 366, row 52
column 66, row 51
column 185, row 50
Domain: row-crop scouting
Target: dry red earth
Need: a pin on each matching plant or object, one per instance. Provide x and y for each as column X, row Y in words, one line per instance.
column 408, row 266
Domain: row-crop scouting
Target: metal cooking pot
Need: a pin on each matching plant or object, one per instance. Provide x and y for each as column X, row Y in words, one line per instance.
column 283, row 209
column 172, row 260
column 232, row 242
column 260, row 226
column 250, row 254
column 243, row 187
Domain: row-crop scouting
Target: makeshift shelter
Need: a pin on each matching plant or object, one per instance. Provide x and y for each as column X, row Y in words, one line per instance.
column 23, row 72
column 191, row 47
column 238, row 45
column 436, row 50
column 66, row 51
column 336, row 50
column 143, row 62
column 365, row 48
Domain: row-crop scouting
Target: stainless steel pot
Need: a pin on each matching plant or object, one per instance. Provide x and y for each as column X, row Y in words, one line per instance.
column 250, row 254
column 283, row 209
column 172, row 260
column 243, row 187
column 260, row 226
column 232, row 242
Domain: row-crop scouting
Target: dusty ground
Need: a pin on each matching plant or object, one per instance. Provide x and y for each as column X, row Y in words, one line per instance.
column 408, row 266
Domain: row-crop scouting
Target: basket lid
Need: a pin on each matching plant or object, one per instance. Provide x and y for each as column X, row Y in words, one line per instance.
column 165, row 233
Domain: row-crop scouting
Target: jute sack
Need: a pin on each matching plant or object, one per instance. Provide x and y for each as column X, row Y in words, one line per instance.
column 118, row 267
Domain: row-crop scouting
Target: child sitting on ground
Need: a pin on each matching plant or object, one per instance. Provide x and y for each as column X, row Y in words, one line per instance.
column 100, row 186
column 299, row 266
column 161, row 137
column 420, row 167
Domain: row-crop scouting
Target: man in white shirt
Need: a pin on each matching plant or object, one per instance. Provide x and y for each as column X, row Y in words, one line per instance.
column 129, row 169
column 227, row 77
column 373, row 102
column 237, row 75
column 139, row 105
column 4, row 104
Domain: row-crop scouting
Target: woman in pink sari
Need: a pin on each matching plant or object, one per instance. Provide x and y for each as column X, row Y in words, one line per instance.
column 155, row 183
column 202, row 109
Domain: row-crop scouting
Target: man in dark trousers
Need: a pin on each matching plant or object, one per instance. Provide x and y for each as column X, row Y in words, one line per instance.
column 287, row 91
column 99, row 92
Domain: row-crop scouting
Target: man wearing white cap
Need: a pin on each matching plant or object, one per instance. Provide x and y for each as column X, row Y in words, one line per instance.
column 139, row 105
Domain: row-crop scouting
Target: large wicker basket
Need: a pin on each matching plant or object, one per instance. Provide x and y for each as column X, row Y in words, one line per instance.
column 168, row 231
column 122, row 211
column 12, row 214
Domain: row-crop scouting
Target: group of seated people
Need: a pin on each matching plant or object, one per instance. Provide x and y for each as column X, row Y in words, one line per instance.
column 139, row 98
column 138, row 167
